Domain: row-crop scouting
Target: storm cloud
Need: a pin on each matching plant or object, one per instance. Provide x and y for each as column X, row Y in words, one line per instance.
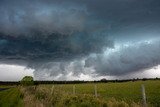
column 126, row 59
column 96, row 38
column 119, row 61
column 44, row 31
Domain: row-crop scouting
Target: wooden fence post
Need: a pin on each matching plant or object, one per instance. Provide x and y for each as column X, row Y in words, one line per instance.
column 52, row 89
column 144, row 102
column 74, row 89
column 95, row 90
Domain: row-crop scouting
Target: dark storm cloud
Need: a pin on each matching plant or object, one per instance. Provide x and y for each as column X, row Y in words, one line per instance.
column 55, row 36
column 41, row 30
column 126, row 15
column 51, row 47
column 27, row 18
column 122, row 61
column 24, row 17
column 126, row 59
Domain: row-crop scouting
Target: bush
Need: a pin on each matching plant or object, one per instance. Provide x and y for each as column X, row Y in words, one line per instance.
column 27, row 80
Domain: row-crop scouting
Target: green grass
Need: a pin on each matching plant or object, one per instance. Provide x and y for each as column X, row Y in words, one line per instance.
column 11, row 98
column 126, row 93
column 44, row 96
column 5, row 86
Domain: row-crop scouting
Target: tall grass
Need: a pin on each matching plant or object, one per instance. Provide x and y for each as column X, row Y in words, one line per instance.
column 127, row 91
column 57, row 97
column 11, row 98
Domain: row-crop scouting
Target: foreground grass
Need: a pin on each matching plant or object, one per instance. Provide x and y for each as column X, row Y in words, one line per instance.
column 11, row 98
column 56, row 97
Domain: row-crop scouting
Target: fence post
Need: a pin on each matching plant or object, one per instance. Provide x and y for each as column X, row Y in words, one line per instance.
column 144, row 102
column 95, row 90
column 74, row 90
column 52, row 89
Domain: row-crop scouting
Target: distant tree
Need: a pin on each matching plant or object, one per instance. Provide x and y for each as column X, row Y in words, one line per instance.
column 133, row 79
column 144, row 79
column 27, row 80
column 103, row 80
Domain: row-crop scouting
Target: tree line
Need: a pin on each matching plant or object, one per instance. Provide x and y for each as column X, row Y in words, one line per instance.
column 37, row 82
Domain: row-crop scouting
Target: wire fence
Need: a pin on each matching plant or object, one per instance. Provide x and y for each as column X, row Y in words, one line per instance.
column 136, row 95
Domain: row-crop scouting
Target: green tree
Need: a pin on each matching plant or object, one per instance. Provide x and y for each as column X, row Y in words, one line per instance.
column 27, row 80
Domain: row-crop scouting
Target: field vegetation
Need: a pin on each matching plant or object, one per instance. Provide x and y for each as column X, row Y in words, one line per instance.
column 11, row 97
column 126, row 94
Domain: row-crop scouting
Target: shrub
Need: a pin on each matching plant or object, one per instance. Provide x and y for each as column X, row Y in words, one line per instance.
column 27, row 80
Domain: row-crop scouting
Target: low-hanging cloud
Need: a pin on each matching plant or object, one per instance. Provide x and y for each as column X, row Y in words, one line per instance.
column 43, row 31
column 126, row 59
column 53, row 47
column 46, row 36
column 122, row 60
column 57, row 38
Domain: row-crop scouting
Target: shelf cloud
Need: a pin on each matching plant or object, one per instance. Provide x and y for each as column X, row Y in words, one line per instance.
column 95, row 38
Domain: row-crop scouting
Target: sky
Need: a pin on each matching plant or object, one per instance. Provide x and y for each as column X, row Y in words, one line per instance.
column 79, row 39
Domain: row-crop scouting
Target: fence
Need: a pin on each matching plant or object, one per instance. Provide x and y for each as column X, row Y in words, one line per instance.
column 96, row 91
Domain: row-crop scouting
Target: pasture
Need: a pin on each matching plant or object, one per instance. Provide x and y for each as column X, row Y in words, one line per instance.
column 126, row 94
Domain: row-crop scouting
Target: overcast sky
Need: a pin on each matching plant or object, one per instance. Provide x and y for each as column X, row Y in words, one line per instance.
column 79, row 39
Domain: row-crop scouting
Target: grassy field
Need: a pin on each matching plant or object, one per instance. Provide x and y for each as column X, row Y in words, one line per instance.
column 127, row 91
column 126, row 94
column 10, row 97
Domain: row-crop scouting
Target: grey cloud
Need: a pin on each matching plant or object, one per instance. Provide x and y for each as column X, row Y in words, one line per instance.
column 50, row 16
column 56, row 37
column 45, row 36
column 119, row 62
column 27, row 18
column 49, row 30
column 52, row 47
column 62, row 70
column 127, row 59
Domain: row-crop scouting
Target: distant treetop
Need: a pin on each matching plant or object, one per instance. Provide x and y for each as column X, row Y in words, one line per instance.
column 27, row 80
